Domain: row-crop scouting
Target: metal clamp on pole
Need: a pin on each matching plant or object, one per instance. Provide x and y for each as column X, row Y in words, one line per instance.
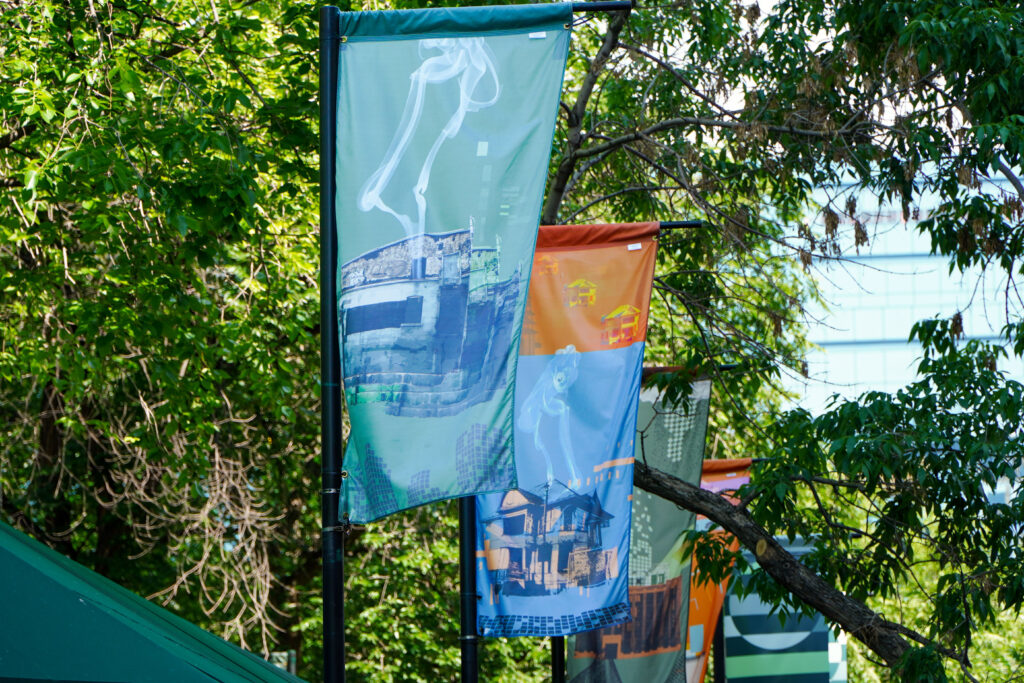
column 333, row 535
column 681, row 225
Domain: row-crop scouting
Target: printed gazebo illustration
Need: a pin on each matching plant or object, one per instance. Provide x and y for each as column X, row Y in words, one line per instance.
column 580, row 292
column 621, row 326
column 545, row 264
column 536, row 546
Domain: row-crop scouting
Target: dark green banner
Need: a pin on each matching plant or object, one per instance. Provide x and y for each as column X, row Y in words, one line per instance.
column 651, row 648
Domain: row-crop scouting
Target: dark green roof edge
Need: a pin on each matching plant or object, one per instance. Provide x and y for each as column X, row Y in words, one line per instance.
column 203, row 650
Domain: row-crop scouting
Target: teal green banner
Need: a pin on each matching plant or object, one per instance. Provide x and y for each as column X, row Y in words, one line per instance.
column 762, row 647
column 445, row 122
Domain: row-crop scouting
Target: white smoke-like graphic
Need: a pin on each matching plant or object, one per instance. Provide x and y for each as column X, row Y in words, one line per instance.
column 471, row 62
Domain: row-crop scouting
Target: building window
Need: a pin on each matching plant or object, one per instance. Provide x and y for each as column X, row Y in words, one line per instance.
column 383, row 315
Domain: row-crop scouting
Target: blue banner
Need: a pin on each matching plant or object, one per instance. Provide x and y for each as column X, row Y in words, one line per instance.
column 552, row 555
column 445, row 121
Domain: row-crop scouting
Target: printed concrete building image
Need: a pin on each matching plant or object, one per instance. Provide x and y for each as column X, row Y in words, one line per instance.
column 538, row 547
column 426, row 324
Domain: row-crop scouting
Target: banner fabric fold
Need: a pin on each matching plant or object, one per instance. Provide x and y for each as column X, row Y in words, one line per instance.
column 552, row 555
column 445, row 122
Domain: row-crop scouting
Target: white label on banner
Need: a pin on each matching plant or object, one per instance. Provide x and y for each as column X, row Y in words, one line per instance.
column 634, row 247
column 538, row 35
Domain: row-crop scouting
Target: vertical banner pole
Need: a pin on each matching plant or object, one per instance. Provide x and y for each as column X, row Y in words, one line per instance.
column 718, row 648
column 333, row 540
column 467, row 579
column 557, row 659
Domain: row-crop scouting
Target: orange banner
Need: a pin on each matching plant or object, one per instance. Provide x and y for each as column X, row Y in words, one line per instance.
column 583, row 295
column 723, row 477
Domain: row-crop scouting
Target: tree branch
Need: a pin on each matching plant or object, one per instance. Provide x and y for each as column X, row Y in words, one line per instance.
column 16, row 134
column 549, row 215
column 671, row 124
column 682, row 80
column 856, row 618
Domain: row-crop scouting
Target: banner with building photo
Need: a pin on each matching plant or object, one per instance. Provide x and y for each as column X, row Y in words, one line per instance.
column 760, row 647
column 650, row 648
column 445, row 122
column 552, row 555
column 724, row 477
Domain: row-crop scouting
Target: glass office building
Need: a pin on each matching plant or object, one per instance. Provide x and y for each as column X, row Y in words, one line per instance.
column 873, row 298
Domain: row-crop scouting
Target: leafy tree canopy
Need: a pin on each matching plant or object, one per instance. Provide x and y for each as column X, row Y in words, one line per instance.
column 158, row 364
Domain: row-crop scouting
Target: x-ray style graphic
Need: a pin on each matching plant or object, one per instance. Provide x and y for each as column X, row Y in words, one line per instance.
column 471, row 63
column 547, row 401
column 419, row 314
column 444, row 134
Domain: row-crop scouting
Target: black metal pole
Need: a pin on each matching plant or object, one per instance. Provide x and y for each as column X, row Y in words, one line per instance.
column 718, row 647
column 557, row 659
column 467, row 579
column 602, row 6
column 680, row 225
column 333, row 538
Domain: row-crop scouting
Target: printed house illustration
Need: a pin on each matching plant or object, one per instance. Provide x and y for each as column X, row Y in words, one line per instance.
column 537, row 547
column 655, row 628
column 426, row 324
column 580, row 292
column 621, row 326
column 545, row 264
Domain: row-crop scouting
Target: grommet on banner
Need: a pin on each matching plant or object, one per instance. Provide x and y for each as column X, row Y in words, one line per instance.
column 344, row 475
column 344, row 39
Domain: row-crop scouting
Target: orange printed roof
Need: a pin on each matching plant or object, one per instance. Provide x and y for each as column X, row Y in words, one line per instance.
column 625, row 309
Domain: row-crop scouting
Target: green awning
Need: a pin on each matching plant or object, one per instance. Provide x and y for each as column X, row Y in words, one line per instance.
column 62, row 622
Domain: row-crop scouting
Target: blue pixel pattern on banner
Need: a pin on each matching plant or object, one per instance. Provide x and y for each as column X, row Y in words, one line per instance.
column 445, row 121
column 552, row 555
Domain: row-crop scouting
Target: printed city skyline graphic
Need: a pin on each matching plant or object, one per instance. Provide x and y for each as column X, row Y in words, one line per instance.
column 476, row 466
